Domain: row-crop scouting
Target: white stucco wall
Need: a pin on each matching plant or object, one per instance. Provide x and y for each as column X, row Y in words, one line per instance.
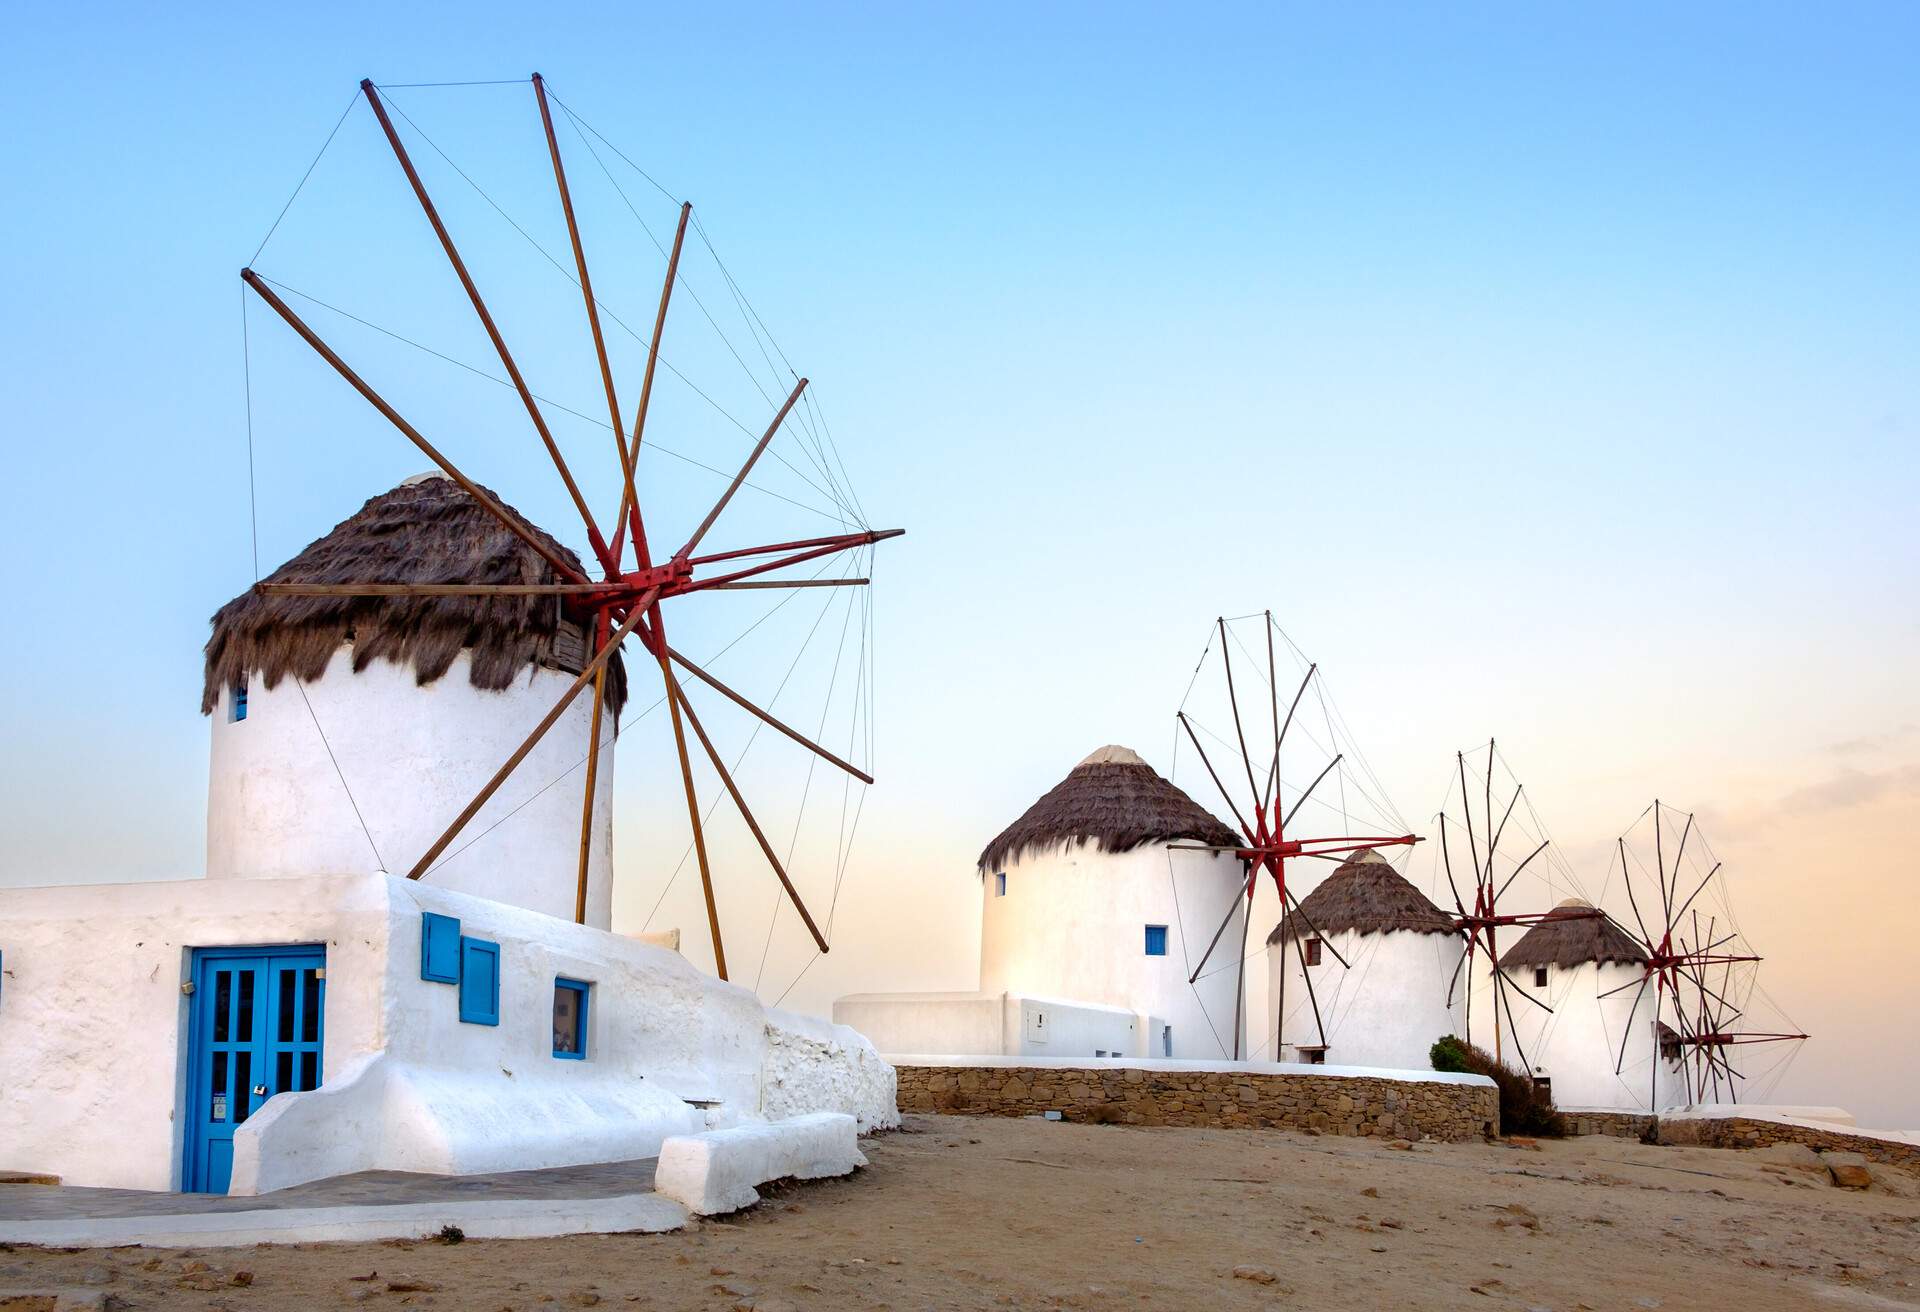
column 412, row 757
column 814, row 1066
column 93, row 1025
column 1384, row 1008
column 1072, row 925
column 92, row 1018
column 1578, row 1045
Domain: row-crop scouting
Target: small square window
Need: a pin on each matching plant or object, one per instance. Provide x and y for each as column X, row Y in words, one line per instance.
column 1000, row 884
column 1313, row 951
column 1156, row 940
column 237, row 701
column 570, row 1019
column 1314, row 1056
column 479, row 982
column 1539, row 977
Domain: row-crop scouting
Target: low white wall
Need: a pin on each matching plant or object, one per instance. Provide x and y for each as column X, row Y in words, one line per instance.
column 925, row 1022
column 996, row 1024
column 92, row 1035
column 1056, row 1027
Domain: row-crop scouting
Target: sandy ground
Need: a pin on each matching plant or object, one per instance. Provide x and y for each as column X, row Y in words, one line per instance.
column 970, row 1213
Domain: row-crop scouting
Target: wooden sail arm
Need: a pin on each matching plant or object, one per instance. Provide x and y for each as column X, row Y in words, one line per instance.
column 629, row 456
column 740, row 803
column 766, row 717
column 753, row 458
column 486, row 320
column 547, row 552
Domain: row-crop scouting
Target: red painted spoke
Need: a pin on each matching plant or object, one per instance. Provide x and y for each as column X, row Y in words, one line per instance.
column 843, row 539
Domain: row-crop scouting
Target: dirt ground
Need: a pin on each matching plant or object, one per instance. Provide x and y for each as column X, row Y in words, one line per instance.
column 967, row 1213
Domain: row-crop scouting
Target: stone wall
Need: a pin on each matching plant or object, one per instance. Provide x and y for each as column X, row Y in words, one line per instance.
column 1747, row 1132
column 1620, row 1125
column 1230, row 1098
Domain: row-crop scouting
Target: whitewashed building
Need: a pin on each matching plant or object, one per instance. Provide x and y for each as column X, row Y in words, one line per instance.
column 304, row 1010
column 1092, row 919
column 1588, row 970
column 1388, row 1003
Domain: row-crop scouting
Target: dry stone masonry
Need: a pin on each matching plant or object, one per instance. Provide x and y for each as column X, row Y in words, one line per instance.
column 1136, row 1095
column 1745, row 1132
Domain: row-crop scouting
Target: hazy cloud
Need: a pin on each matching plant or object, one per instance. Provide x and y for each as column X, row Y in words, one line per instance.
column 1848, row 788
column 1869, row 744
column 1851, row 788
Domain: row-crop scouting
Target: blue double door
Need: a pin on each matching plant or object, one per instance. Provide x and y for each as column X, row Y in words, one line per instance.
column 255, row 1029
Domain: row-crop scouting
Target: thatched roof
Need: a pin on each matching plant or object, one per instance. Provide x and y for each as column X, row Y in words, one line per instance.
column 1365, row 895
column 427, row 530
column 1114, row 800
column 1572, row 935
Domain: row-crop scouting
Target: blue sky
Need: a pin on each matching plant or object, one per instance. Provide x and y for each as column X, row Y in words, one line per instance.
column 1551, row 373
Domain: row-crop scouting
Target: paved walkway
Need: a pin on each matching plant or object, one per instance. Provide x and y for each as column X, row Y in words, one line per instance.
column 608, row 1197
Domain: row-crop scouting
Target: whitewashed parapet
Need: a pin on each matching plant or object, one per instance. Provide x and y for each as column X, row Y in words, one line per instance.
column 815, row 1066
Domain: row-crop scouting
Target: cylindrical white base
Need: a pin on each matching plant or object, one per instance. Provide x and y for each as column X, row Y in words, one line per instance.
column 1072, row 927
column 365, row 771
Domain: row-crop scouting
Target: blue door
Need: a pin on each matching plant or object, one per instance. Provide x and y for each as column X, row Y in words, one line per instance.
column 254, row 1030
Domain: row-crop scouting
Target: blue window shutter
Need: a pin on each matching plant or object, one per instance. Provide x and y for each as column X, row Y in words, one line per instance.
column 573, row 1046
column 439, row 948
column 1156, row 940
column 479, row 982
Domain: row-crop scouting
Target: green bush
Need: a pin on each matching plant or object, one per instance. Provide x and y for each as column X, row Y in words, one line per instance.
column 1449, row 1054
column 1525, row 1108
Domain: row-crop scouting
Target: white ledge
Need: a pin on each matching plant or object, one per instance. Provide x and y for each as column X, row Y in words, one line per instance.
column 517, row 1218
column 716, row 1172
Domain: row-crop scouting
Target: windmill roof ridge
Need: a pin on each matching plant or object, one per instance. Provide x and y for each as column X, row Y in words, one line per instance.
column 1573, row 934
column 1114, row 800
column 1365, row 895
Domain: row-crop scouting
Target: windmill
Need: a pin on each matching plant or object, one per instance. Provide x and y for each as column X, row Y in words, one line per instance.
column 1270, row 835
column 1479, row 924
column 1703, row 975
column 631, row 583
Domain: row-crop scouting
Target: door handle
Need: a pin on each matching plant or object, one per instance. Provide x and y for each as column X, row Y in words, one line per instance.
column 259, row 1090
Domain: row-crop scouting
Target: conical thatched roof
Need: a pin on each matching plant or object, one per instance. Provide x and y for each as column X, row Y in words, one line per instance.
column 1572, row 935
column 427, row 530
column 1114, row 800
column 1365, row 895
